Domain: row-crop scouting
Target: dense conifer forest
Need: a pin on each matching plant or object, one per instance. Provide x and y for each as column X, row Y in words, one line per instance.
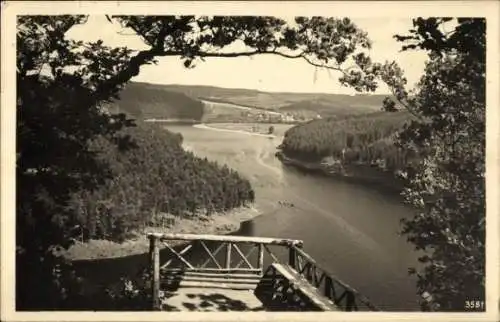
column 154, row 177
column 356, row 139
column 152, row 101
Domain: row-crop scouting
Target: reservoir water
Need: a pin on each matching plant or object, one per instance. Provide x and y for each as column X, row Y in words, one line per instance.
column 350, row 229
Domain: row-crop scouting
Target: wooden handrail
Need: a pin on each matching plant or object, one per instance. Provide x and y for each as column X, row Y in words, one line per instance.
column 299, row 260
column 226, row 238
column 312, row 261
column 363, row 299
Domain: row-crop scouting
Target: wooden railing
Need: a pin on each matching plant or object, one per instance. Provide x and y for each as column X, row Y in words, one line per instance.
column 341, row 294
column 244, row 256
column 283, row 289
column 231, row 254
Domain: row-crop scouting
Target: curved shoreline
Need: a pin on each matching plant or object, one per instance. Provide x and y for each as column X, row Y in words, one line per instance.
column 354, row 174
column 259, row 153
column 217, row 223
column 380, row 179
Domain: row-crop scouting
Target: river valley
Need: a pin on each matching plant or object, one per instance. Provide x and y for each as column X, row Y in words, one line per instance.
column 350, row 229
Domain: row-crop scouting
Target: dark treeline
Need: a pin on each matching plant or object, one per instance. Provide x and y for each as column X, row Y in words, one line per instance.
column 150, row 101
column 357, row 139
column 156, row 176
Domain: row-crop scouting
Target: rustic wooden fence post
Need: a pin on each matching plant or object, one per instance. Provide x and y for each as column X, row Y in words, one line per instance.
column 260, row 264
column 328, row 288
column 228, row 255
column 350, row 301
column 292, row 255
column 154, row 253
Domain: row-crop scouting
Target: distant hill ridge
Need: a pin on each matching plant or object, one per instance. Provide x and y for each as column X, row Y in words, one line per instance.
column 241, row 91
column 145, row 100
column 277, row 100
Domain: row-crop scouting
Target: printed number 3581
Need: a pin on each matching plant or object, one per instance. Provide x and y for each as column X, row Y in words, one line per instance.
column 474, row 305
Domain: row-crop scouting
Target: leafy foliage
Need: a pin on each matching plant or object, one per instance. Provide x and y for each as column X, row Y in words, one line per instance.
column 447, row 133
column 448, row 185
column 57, row 114
column 323, row 42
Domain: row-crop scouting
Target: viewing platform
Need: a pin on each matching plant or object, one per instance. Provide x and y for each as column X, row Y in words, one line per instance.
column 236, row 273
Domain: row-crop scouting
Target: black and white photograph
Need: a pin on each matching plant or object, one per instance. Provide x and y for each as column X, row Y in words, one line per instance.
column 250, row 158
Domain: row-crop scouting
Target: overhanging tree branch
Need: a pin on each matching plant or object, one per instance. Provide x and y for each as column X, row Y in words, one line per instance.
column 146, row 56
column 185, row 36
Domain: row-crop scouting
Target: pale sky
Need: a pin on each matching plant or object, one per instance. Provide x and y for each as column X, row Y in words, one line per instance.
column 266, row 73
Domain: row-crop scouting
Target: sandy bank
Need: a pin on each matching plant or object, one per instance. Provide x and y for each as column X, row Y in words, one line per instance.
column 218, row 224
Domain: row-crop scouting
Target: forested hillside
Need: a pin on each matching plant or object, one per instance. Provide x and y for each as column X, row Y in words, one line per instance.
column 151, row 101
column 156, row 176
column 361, row 139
